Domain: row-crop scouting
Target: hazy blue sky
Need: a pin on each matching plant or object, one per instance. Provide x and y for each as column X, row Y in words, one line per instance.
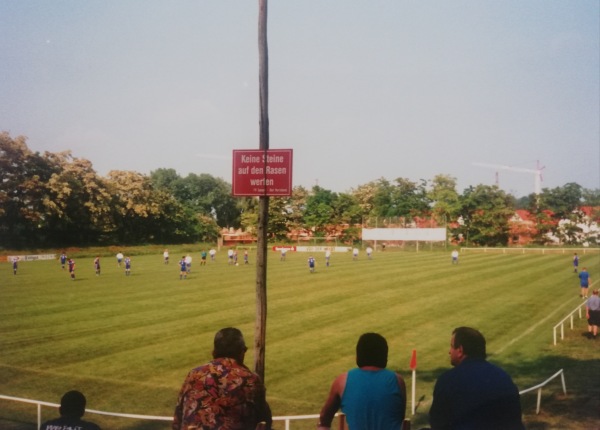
column 359, row 89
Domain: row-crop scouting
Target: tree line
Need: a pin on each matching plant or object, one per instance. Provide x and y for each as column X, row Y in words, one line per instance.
column 57, row 200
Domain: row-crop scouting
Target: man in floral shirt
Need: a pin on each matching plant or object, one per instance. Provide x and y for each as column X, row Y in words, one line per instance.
column 223, row 394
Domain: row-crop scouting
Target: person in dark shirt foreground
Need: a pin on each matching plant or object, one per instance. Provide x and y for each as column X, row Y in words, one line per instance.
column 72, row 408
column 475, row 394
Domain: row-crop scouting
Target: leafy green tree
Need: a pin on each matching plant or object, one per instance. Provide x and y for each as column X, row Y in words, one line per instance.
column 23, row 177
column 444, row 198
column 164, row 179
column 365, row 197
column 346, row 209
column 562, row 201
column 78, row 203
column 591, row 197
column 484, row 213
column 203, row 193
column 319, row 210
column 404, row 198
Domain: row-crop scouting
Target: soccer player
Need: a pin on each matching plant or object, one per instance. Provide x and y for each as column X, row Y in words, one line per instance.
column 246, row 257
column 230, row 256
column 311, row 264
column 327, row 257
column 212, row 253
column 127, row 266
column 166, row 256
column 97, row 265
column 454, row 257
column 584, row 282
column 119, row 259
column 63, row 260
column 203, row 258
column 369, row 252
column 575, row 262
column 355, row 254
column 182, row 268
column 15, row 262
column 71, row 264
column 283, row 252
column 188, row 263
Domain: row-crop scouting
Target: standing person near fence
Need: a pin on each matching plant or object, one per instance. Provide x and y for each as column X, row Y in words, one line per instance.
column 223, row 394
column 72, row 408
column 593, row 314
column 575, row 262
column 584, row 282
column 475, row 394
column 371, row 396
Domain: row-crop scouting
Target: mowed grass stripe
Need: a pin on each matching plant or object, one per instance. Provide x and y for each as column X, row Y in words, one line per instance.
column 129, row 341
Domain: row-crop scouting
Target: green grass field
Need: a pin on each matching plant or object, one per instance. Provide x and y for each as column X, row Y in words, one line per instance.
column 128, row 342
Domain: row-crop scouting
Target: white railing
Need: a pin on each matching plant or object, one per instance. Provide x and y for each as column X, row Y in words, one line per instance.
column 523, row 250
column 561, row 324
column 540, row 386
column 286, row 419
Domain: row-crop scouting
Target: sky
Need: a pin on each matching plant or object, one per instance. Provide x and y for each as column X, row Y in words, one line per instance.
column 360, row 90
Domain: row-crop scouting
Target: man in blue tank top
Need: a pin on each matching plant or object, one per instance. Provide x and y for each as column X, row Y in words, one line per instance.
column 372, row 397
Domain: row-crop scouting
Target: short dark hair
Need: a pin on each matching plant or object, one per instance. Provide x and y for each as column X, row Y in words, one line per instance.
column 229, row 342
column 471, row 340
column 72, row 404
column 371, row 350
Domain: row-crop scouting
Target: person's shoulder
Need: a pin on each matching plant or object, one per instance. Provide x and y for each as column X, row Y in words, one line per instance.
column 63, row 422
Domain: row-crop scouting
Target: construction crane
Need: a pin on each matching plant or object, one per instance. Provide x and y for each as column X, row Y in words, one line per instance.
column 537, row 179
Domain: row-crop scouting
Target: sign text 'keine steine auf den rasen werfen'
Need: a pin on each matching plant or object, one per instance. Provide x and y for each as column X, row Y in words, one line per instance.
column 258, row 172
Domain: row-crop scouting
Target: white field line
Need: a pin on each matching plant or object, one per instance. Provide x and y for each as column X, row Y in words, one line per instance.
column 536, row 325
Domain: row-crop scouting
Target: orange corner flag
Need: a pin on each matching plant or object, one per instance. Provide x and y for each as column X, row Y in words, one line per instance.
column 413, row 360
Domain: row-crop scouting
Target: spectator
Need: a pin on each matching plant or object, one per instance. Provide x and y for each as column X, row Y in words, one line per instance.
column 593, row 314
column 371, row 396
column 475, row 394
column 72, row 408
column 223, row 394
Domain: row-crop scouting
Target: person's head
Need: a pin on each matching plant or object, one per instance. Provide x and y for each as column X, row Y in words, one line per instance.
column 466, row 342
column 72, row 404
column 371, row 350
column 584, row 269
column 595, row 292
column 229, row 343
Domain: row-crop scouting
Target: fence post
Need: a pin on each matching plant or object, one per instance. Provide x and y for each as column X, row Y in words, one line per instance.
column 539, row 400
column 571, row 321
column 564, row 385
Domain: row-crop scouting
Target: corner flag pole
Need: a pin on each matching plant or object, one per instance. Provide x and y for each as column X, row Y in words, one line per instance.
column 413, row 366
